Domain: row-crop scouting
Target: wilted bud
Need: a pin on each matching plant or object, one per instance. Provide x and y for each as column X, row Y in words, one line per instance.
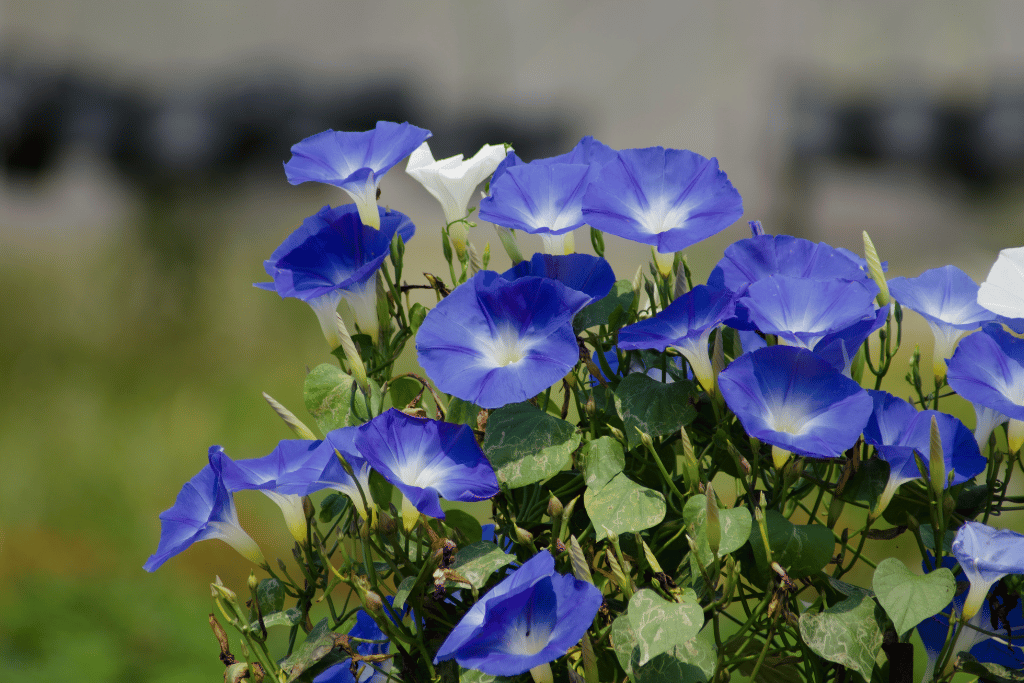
column 372, row 603
column 386, row 524
column 714, row 528
column 875, row 271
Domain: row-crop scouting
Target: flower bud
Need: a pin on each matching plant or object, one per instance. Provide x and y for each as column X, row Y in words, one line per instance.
column 523, row 536
column 416, row 315
column 397, row 249
column 508, row 240
column 936, row 462
column 714, row 527
column 308, row 511
column 835, row 509
column 372, row 602
column 253, row 581
column 647, row 441
column 219, row 590
column 597, row 240
column 875, row 271
column 617, row 434
column 554, row 506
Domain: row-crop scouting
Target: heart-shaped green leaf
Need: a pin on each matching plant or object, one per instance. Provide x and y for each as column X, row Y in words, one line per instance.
column 334, row 399
column 735, row 525
column 801, row 549
column 661, row 625
column 597, row 313
column 601, row 460
column 526, row 445
column 909, row 599
column 693, row 662
column 477, row 561
column 653, row 407
column 623, row 506
column 846, row 633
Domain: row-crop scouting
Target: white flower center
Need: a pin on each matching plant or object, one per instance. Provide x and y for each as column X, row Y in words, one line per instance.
column 506, row 348
column 661, row 217
column 788, row 418
column 526, row 636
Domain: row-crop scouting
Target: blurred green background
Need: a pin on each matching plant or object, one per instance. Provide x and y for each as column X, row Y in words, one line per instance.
column 131, row 338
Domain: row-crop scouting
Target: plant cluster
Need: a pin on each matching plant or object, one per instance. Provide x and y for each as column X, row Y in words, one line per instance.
column 681, row 476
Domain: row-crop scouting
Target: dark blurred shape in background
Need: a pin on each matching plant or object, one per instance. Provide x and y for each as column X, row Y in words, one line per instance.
column 978, row 142
column 214, row 131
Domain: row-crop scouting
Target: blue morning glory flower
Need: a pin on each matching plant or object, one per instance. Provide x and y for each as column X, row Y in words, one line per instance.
column 546, row 199
column 896, row 429
column 948, row 299
column 935, row 630
column 365, row 629
column 493, row 342
column 292, row 470
column 985, row 420
column 332, row 256
column 587, row 151
column 203, row 509
column 986, row 555
column 796, row 401
column 839, row 347
column 585, row 273
column 988, row 370
column 755, row 258
column 684, row 325
column 426, row 460
column 335, row 477
column 530, row 619
column 354, row 162
column 804, row 311
column 668, row 198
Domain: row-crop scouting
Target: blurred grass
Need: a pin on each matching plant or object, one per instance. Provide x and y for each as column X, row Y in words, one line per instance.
column 117, row 373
